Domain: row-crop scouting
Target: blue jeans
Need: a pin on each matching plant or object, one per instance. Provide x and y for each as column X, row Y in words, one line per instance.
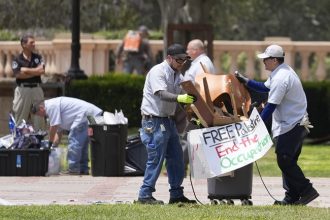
column 161, row 139
column 78, row 149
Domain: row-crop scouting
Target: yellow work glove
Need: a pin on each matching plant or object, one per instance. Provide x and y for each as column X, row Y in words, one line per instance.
column 185, row 98
column 196, row 121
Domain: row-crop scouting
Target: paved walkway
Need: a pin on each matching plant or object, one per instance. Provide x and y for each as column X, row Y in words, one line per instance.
column 92, row 190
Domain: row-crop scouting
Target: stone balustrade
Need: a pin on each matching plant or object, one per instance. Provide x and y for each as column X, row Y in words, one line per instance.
column 308, row 58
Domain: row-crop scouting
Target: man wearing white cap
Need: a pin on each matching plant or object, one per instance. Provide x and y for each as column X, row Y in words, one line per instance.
column 287, row 105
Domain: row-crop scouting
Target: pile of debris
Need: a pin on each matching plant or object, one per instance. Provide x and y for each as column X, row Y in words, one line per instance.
column 23, row 136
column 220, row 99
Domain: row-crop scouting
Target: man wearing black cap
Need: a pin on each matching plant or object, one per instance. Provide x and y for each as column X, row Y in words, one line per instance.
column 134, row 52
column 161, row 94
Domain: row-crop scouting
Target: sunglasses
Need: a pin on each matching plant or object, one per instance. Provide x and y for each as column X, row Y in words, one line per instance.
column 180, row 60
column 268, row 58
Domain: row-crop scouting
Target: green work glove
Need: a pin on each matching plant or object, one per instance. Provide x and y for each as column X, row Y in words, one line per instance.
column 185, row 98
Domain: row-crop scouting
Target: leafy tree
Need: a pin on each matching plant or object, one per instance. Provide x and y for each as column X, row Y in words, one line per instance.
column 95, row 15
column 257, row 19
column 231, row 20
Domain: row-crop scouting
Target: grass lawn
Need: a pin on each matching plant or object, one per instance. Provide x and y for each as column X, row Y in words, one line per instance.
column 314, row 161
column 162, row 212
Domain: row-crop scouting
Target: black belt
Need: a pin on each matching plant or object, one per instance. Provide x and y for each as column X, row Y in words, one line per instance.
column 153, row 116
column 30, row 85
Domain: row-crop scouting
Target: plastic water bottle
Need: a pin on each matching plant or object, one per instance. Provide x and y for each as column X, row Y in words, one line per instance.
column 12, row 128
column 18, row 161
column 12, row 125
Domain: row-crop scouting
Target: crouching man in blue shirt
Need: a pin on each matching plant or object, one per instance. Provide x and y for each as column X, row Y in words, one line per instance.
column 65, row 113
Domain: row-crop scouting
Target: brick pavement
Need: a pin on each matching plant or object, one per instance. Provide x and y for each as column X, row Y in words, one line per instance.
column 92, row 190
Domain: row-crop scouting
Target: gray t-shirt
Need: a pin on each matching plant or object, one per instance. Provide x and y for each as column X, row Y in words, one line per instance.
column 160, row 77
column 67, row 112
column 287, row 93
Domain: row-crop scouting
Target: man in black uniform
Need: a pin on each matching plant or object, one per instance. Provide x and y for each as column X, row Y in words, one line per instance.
column 28, row 66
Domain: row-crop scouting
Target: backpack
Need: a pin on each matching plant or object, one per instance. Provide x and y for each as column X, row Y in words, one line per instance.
column 132, row 41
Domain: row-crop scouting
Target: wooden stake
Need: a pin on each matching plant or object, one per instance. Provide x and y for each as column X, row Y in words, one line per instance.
column 203, row 67
column 232, row 98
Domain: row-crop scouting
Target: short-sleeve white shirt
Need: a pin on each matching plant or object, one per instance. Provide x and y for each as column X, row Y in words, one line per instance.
column 287, row 93
column 196, row 67
column 160, row 77
column 67, row 112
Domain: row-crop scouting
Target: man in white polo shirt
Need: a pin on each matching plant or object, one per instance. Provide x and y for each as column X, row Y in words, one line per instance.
column 66, row 113
column 196, row 51
column 287, row 105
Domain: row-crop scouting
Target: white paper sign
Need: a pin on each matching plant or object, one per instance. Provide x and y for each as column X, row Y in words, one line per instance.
column 218, row 150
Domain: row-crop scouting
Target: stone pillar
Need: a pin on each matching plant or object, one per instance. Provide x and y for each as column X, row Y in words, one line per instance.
column 233, row 63
column 304, row 65
column 8, row 70
column 320, row 71
column 250, row 70
column 2, row 69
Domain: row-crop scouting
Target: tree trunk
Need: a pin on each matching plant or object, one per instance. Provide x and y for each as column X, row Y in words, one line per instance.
column 182, row 12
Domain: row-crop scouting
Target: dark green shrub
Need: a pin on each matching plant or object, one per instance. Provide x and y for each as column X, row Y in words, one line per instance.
column 6, row 35
column 318, row 97
column 111, row 92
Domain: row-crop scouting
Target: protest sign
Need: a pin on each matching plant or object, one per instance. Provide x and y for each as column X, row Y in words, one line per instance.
column 216, row 151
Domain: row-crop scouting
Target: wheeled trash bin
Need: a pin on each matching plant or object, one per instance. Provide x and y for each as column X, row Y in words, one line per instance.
column 108, row 149
column 222, row 190
column 136, row 156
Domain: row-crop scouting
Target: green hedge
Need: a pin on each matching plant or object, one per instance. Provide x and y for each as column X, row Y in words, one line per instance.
column 6, row 35
column 111, row 92
column 318, row 97
column 122, row 91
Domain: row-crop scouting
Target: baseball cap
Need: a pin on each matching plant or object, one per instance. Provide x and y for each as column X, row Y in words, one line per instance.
column 272, row 51
column 144, row 29
column 177, row 51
